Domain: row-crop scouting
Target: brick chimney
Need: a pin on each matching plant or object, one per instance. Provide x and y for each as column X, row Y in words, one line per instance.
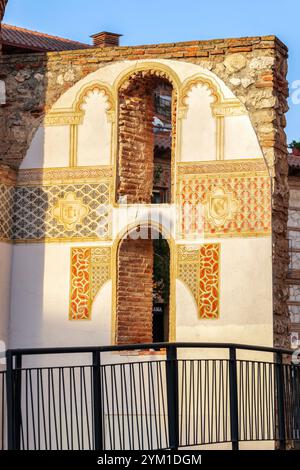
column 105, row 39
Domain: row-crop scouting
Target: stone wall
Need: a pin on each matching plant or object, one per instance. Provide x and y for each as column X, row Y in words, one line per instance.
column 135, row 291
column 253, row 68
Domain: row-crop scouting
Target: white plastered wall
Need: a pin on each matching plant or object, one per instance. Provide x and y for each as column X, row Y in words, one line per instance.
column 240, row 140
column 198, row 140
column 240, row 306
column 5, row 278
column 94, row 134
column 40, row 309
column 50, row 148
column 245, row 298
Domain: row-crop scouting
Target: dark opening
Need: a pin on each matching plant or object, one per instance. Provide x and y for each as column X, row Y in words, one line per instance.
column 161, row 290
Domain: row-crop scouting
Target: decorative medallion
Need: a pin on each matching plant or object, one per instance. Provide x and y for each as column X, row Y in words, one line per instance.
column 221, row 206
column 70, row 211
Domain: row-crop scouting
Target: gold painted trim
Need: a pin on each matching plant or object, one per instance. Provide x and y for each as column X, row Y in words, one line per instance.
column 158, row 69
column 220, row 143
column 6, row 240
column 91, row 87
column 73, row 145
column 60, row 240
column 114, row 272
column 63, row 118
column 199, row 79
column 229, row 107
column 224, row 166
column 65, row 175
column 75, row 115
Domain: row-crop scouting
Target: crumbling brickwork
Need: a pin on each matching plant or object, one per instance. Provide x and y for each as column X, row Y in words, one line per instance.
column 253, row 68
column 136, row 142
column 135, row 292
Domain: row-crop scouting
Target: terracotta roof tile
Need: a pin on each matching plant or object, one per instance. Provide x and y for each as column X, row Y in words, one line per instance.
column 25, row 38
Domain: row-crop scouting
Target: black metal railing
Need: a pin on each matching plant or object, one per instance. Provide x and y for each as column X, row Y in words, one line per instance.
column 151, row 396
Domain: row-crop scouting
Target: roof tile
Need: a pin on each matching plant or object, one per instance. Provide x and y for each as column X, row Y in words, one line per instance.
column 25, row 38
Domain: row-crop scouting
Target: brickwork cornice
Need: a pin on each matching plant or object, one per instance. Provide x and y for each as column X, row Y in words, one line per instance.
column 212, row 49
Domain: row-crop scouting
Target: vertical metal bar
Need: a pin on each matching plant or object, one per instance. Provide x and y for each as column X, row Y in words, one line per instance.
column 18, row 401
column 10, row 400
column 280, row 401
column 234, row 417
column 97, row 402
column 172, row 396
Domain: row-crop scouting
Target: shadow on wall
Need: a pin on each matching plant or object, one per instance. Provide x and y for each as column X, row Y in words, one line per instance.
column 26, row 86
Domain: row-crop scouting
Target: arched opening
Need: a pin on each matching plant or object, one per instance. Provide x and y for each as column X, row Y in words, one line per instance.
column 143, row 288
column 145, row 138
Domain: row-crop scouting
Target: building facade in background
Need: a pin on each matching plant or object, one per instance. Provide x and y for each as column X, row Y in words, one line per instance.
column 293, row 280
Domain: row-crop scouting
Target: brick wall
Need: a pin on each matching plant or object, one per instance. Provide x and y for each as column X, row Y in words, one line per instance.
column 134, row 295
column 136, row 141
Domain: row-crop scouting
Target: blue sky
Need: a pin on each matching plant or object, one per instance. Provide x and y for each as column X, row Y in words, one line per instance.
column 154, row 21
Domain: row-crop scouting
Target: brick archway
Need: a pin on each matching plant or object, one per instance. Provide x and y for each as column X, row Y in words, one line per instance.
column 135, row 164
column 133, row 285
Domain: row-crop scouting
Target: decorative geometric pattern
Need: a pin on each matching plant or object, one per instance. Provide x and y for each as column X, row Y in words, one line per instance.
column 209, row 281
column 198, row 268
column 233, row 205
column 253, row 166
column 6, row 211
column 50, row 176
column 188, row 269
column 84, row 214
column 90, row 270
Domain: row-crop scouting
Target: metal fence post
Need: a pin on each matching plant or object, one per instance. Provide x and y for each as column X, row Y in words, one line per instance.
column 97, row 402
column 13, row 399
column 10, row 401
column 280, row 401
column 172, row 396
column 234, row 413
column 18, row 401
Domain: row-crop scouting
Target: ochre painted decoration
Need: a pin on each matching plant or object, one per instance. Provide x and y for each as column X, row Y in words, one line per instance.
column 209, row 281
column 90, row 270
column 199, row 269
column 80, row 284
column 232, row 205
